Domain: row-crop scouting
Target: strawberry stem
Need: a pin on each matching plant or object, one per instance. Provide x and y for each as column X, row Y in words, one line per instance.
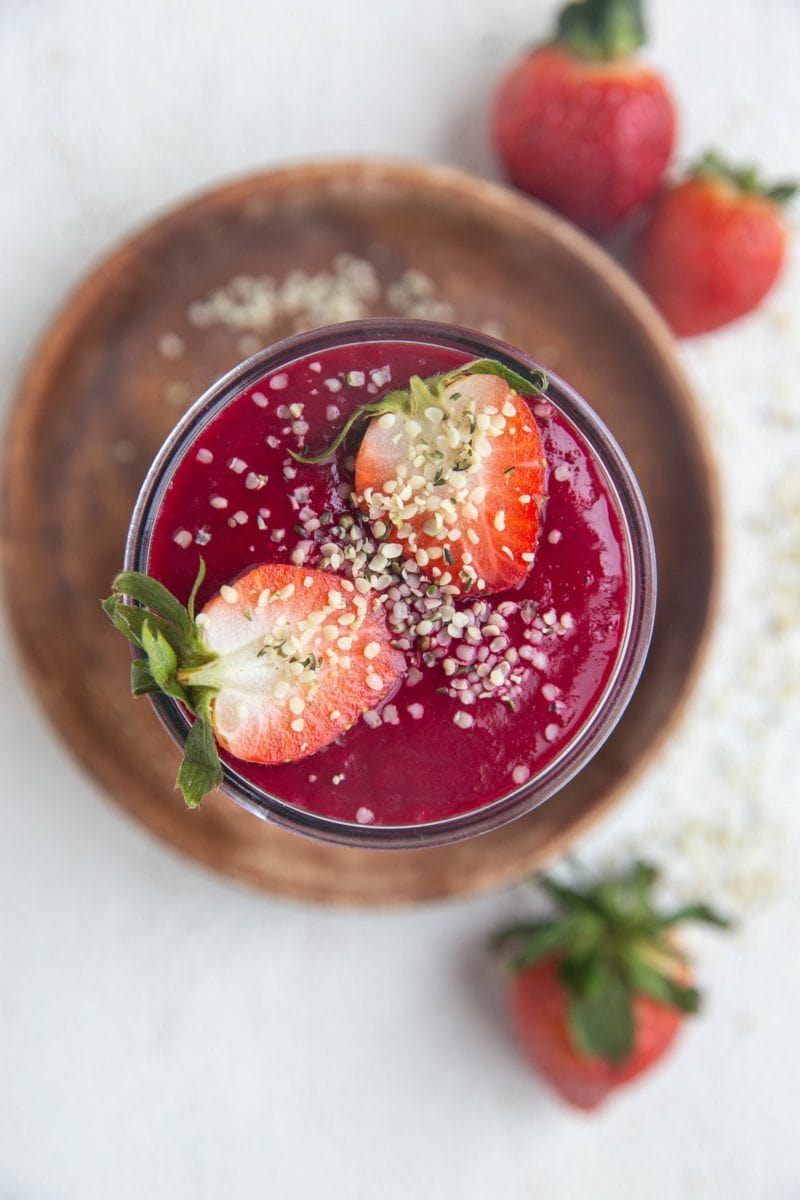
column 361, row 414
column 421, row 394
column 407, row 403
column 201, row 574
column 601, row 30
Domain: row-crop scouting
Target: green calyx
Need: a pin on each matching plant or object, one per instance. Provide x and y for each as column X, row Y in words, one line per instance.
column 421, row 394
column 172, row 651
column 601, row 30
column 745, row 179
column 611, row 945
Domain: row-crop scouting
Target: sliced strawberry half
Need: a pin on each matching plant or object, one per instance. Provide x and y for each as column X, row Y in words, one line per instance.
column 299, row 658
column 275, row 667
column 456, row 479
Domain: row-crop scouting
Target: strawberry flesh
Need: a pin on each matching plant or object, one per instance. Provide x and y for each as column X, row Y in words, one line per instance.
column 299, row 659
column 539, row 1012
column 457, row 484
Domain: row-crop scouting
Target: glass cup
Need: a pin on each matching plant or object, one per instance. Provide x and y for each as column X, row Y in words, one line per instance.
column 638, row 544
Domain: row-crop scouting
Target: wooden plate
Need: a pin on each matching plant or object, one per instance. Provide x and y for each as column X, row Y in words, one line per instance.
column 123, row 359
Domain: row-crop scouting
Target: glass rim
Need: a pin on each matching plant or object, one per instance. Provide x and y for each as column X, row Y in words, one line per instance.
column 640, row 562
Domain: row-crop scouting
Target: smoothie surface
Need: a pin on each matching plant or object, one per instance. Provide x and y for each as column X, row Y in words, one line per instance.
column 447, row 741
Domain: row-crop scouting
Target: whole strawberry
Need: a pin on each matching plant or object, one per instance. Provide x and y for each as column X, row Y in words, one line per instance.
column 580, row 123
column 713, row 246
column 601, row 989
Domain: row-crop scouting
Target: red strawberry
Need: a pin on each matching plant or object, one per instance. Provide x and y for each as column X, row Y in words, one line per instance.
column 451, row 473
column 582, row 125
column 600, row 991
column 713, row 246
column 546, row 1039
column 275, row 667
column 301, row 657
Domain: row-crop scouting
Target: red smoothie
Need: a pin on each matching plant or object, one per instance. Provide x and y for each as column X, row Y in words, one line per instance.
column 496, row 687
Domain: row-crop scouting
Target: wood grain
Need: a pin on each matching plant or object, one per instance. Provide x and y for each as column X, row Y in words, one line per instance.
column 99, row 398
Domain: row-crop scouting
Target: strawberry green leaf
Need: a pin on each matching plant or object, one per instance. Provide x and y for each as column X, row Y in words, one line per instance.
column 639, row 879
column 162, row 662
column 569, row 898
column 153, row 595
column 601, row 1020
column 746, row 179
column 167, row 633
column 782, row 193
column 642, row 977
column 535, row 386
column 628, row 898
column 142, row 682
column 581, row 969
column 421, row 393
column 201, row 770
column 514, row 932
column 129, row 619
column 695, row 912
column 125, row 618
column 535, row 940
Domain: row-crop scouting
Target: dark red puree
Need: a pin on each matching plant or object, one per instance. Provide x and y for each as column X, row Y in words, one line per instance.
column 409, row 762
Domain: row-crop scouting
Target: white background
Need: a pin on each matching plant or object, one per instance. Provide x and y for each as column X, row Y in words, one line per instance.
column 165, row 1034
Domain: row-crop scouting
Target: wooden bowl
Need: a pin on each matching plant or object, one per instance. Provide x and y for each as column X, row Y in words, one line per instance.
column 123, row 359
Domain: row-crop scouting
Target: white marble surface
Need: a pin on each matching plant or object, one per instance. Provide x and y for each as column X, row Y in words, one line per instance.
column 166, row 1034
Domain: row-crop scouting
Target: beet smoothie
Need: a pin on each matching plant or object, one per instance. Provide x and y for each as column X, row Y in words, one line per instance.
column 495, row 691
